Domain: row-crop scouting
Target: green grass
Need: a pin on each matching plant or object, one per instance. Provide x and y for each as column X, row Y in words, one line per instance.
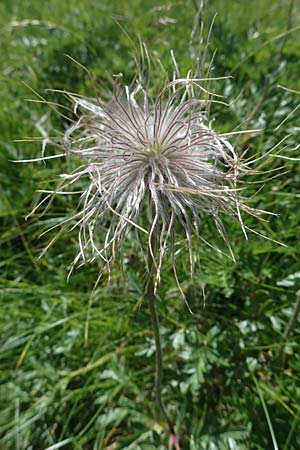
column 77, row 371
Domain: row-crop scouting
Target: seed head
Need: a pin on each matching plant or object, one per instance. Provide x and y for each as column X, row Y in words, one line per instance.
column 153, row 166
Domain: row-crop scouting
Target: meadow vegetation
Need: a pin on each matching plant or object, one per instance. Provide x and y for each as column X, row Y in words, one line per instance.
column 77, row 371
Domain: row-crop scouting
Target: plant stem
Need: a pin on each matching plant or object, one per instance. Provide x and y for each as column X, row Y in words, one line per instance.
column 279, row 357
column 149, row 294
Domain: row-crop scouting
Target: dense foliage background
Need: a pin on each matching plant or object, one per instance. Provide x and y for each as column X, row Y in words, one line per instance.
column 77, row 371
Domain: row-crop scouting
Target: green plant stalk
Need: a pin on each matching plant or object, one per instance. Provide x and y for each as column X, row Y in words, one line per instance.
column 264, row 405
column 149, row 294
column 279, row 357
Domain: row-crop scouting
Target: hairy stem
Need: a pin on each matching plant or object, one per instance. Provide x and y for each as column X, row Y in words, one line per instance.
column 279, row 357
column 151, row 298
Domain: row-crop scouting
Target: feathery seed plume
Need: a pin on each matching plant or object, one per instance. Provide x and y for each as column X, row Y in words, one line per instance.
column 157, row 155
